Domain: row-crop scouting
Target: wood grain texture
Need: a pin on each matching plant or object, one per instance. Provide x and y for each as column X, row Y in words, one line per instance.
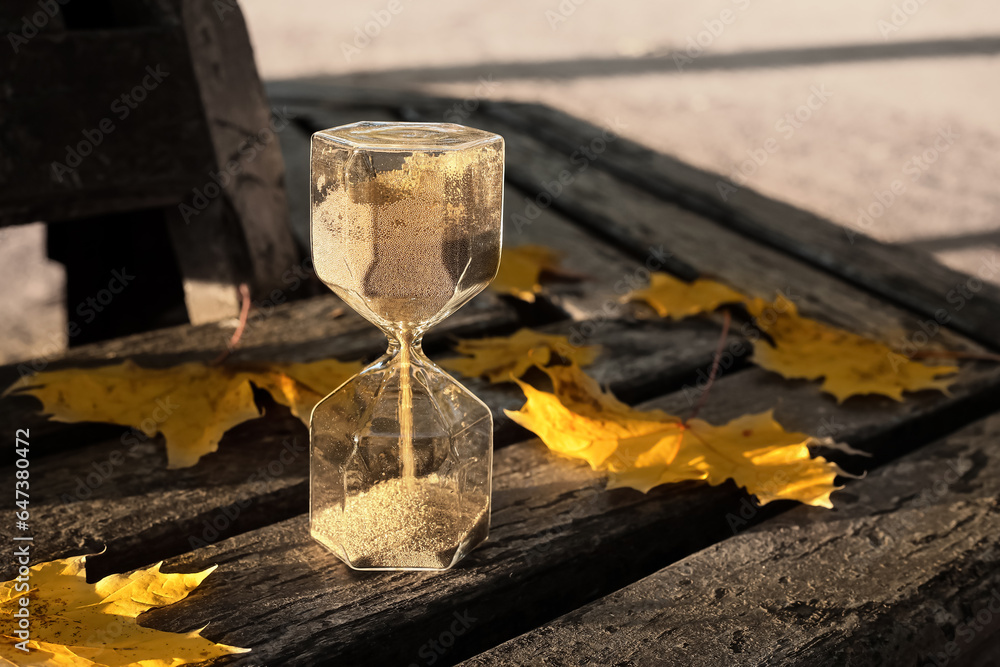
column 905, row 572
column 248, row 165
column 558, row 540
column 903, row 276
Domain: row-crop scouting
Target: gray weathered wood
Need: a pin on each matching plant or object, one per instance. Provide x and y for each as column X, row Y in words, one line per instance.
column 897, row 575
column 177, row 119
column 558, row 540
column 914, row 280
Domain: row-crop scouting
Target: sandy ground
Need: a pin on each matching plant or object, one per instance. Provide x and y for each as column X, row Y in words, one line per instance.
column 920, row 108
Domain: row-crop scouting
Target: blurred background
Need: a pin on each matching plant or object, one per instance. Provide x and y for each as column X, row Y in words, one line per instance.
column 905, row 91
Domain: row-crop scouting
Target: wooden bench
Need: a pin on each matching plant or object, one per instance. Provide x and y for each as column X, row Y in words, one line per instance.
column 573, row 573
column 139, row 131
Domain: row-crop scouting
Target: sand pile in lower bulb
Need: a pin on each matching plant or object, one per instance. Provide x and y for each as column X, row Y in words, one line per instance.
column 402, row 522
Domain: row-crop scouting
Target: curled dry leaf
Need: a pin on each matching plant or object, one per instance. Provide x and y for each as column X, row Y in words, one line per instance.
column 520, row 269
column 76, row 624
column 192, row 404
column 642, row 449
column 502, row 358
column 849, row 364
column 676, row 299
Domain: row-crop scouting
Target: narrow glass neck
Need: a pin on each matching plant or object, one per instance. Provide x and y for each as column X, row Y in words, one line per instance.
column 413, row 345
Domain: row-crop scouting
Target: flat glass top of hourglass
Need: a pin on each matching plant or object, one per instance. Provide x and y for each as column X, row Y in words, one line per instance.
column 408, row 136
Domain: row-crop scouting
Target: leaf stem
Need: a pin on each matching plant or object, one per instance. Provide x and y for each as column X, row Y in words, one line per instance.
column 715, row 365
column 238, row 334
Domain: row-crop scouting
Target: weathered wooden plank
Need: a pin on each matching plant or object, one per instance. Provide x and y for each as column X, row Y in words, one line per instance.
column 912, row 279
column 558, row 540
column 906, row 571
column 675, row 239
column 637, row 220
column 237, row 112
column 119, row 494
column 317, row 328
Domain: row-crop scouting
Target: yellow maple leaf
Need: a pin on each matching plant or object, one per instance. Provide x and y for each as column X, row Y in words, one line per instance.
column 848, row 363
column 579, row 420
column 642, row 449
column 676, row 299
column 76, row 624
column 301, row 386
column 754, row 451
column 192, row 404
column 520, row 268
column 501, row 358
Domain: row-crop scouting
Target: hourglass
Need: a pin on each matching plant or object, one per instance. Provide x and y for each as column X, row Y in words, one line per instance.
column 405, row 228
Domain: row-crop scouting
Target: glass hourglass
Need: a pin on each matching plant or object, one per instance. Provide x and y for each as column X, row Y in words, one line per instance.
column 405, row 228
